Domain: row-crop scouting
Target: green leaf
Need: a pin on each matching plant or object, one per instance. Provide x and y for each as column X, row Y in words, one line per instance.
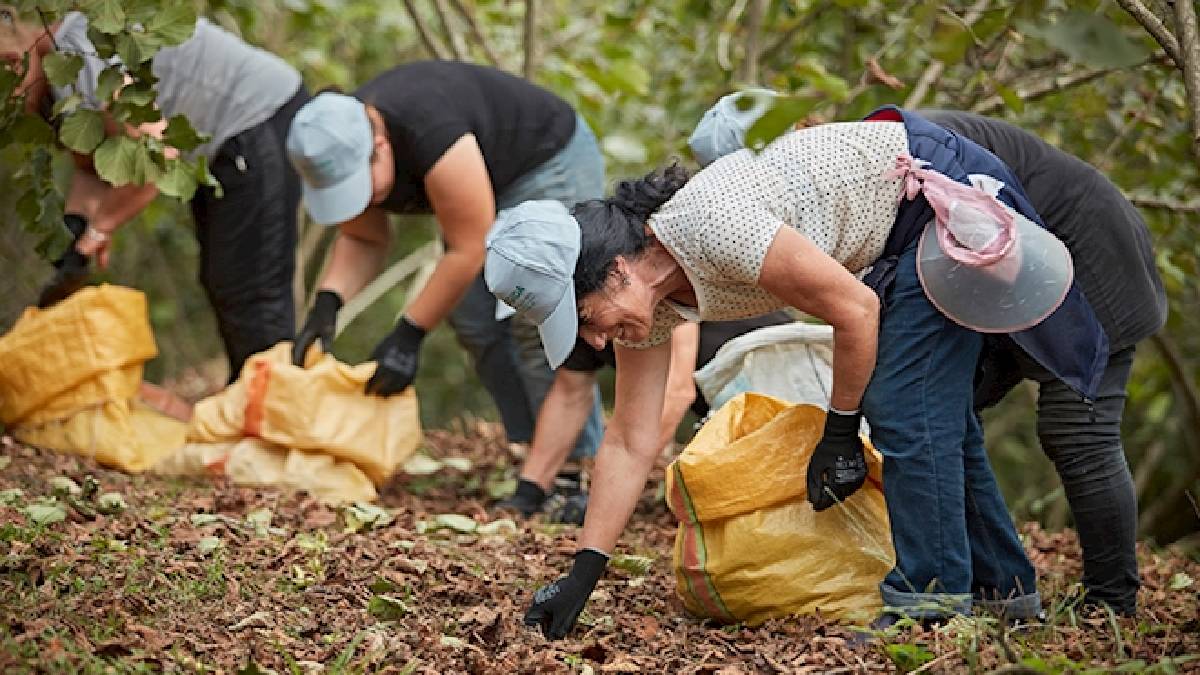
column 82, row 130
column 207, row 545
column 361, row 516
column 106, row 16
column 62, row 68
column 11, row 496
column 422, row 465
column 1180, row 581
column 785, row 111
column 173, row 23
column 111, row 503
column 66, row 106
column 202, row 519
column 909, row 657
column 181, row 135
column 203, row 177
column 637, row 565
column 456, row 522
column 32, row 129
column 178, row 180
column 135, row 48
column 387, row 608
column 116, row 160
column 46, row 513
column 1088, row 38
column 64, row 485
column 1011, row 98
column 631, row 77
column 111, row 80
column 137, row 94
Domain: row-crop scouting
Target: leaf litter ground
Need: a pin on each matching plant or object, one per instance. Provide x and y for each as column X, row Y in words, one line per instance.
column 196, row 575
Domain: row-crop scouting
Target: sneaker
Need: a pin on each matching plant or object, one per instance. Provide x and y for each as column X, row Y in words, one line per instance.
column 527, row 500
column 569, row 510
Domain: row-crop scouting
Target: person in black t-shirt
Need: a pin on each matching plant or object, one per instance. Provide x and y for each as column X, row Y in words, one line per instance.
column 462, row 142
column 571, row 397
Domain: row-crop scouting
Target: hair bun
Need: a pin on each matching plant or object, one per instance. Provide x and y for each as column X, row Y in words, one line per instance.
column 642, row 197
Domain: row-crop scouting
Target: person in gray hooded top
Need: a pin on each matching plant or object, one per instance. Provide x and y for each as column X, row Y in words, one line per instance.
column 1114, row 263
column 243, row 99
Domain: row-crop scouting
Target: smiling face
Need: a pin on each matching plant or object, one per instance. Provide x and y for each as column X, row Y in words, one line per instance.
column 622, row 310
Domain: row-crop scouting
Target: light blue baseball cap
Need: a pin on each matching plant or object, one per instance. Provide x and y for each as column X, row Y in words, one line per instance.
column 530, row 266
column 723, row 128
column 330, row 144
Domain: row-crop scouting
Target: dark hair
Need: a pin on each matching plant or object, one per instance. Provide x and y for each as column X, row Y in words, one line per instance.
column 616, row 226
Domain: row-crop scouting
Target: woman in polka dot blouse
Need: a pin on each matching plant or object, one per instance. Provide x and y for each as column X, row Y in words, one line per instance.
column 791, row 226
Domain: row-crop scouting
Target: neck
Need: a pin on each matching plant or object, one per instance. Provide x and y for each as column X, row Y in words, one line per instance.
column 663, row 273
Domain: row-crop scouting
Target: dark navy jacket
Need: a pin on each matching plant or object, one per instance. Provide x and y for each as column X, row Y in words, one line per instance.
column 1070, row 343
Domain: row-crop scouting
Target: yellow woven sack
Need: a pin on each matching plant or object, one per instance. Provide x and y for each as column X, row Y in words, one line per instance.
column 320, row 408
column 749, row 545
column 82, row 352
column 251, row 461
column 71, row 376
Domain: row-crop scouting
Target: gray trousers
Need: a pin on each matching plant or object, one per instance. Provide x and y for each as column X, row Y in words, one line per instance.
column 1084, row 442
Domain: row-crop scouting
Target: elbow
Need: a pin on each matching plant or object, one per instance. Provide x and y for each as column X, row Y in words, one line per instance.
column 860, row 313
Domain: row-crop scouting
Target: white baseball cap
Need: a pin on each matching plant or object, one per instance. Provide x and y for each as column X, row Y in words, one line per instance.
column 330, row 144
column 723, row 128
column 531, row 254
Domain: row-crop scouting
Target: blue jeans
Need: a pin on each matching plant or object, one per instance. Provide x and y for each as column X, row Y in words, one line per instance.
column 954, row 538
column 500, row 348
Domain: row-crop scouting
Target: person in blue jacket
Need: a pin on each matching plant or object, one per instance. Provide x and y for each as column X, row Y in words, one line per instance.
column 1115, row 270
column 792, row 226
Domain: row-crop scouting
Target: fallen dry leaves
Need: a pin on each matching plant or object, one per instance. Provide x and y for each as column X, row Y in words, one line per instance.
column 291, row 590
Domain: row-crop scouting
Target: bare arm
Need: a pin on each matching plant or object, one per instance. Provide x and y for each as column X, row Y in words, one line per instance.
column 359, row 253
column 629, row 448
column 681, row 387
column 799, row 273
column 460, row 191
column 564, row 412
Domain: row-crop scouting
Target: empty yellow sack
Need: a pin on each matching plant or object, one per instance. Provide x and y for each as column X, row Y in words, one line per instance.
column 749, row 545
column 70, row 379
column 319, row 409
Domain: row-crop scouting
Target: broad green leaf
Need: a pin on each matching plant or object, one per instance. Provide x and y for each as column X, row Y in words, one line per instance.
column 206, row 179
column 106, row 16
column 501, row 526
column 116, row 159
column 82, row 130
column 1088, row 38
column 173, row 23
column 361, row 516
column 422, row 465
column 137, row 94
column 32, row 129
column 111, row 80
column 11, row 496
column 1180, row 581
column 135, row 48
column 207, row 545
column 202, row 519
column 46, row 513
column 29, row 208
column 637, row 565
column 458, row 463
column 111, row 503
column 631, row 76
column 456, row 522
column 63, row 486
column 1011, row 98
column 178, row 180
column 624, row 148
column 181, row 135
column 387, row 608
column 785, row 111
column 62, row 68
column 67, row 105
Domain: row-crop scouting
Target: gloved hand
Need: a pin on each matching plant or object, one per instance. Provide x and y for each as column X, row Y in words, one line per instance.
column 320, row 325
column 71, row 270
column 556, row 606
column 396, row 357
column 838, row 464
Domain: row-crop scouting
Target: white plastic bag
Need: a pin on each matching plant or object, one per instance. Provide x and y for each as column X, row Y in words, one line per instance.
column 793, row 362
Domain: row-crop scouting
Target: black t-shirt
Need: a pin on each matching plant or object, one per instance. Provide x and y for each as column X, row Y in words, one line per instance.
column 1108, row 240
column 428, row 105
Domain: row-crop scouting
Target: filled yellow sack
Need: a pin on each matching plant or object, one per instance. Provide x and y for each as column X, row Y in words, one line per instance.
column 71, row 375
column 749, row 545
column 318, row 409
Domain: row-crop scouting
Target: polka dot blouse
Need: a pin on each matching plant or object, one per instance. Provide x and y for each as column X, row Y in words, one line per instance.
column 825, row 181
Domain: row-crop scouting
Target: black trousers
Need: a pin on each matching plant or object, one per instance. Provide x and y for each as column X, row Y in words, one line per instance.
column 1084, row 442
column 248, row 238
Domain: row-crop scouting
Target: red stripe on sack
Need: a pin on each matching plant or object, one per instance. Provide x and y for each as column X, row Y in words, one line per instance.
column 256, row 394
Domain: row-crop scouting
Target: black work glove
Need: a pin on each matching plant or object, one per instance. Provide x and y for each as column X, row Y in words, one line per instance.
column 397, row 359
column 527, row 500
column 556, row 606
column 838, row 465
column 71, row 270
column 320, row 326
